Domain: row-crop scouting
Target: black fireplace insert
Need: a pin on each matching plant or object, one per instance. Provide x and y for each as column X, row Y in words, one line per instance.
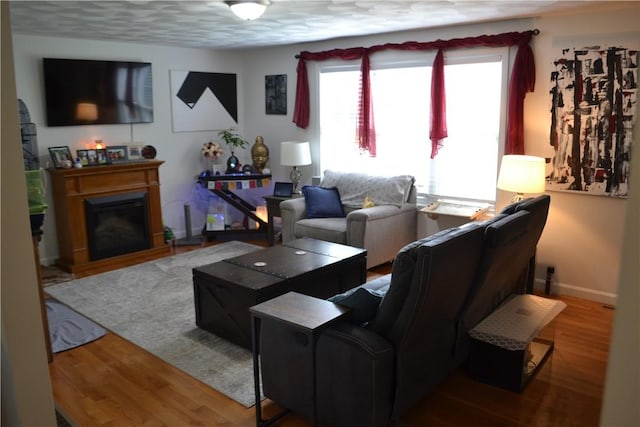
column 117, row 225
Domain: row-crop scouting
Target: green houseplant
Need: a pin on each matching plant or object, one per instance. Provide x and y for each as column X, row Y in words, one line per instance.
column 233, row 140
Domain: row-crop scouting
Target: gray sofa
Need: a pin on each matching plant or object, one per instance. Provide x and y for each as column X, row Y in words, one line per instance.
column 382, row 229
column 408, row 330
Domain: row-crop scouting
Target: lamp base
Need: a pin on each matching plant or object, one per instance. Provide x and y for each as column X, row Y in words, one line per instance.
column 295, row 176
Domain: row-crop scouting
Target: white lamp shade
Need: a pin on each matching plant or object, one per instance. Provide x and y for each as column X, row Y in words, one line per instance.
column 248, row 10
column 522, row 174
column 295, row 153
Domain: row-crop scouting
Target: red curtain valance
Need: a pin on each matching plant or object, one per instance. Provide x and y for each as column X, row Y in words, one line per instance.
column 522, row 81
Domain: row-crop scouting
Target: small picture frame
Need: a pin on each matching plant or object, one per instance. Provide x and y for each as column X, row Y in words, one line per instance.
column 92, row 157
column 60, row 156
column 117, row 154
column 101, row 155
column 134, row 152
column 83, row 155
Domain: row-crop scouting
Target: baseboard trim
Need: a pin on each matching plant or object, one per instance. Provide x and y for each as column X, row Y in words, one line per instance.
column 577, row 291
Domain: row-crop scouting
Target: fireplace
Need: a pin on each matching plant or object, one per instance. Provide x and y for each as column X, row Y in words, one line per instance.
column 117, row 225
column 73, row 187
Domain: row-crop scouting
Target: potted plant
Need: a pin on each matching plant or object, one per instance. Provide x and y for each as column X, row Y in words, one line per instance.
column 233, row 140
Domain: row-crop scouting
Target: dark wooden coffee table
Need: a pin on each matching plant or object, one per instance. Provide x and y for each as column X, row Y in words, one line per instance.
column 224, row 291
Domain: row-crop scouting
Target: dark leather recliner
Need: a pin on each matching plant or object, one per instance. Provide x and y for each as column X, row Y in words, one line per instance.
column 368, row 375
column 440, row 288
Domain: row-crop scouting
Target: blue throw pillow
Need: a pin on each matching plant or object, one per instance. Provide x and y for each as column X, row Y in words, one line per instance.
column 322, row 202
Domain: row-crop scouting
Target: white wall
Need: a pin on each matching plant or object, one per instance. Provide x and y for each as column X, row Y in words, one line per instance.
column 179, row 150
column 583, row 234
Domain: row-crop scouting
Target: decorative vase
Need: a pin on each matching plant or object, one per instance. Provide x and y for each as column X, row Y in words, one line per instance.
column 233, row 164
column 259, row 155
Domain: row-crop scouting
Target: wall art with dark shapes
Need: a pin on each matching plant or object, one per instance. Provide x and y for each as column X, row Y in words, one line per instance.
column 593, row 108
column 203, row 101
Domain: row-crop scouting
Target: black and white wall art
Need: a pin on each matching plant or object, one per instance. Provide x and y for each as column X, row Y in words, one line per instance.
column 593, row 108
column 275, row 89
column 202, row 101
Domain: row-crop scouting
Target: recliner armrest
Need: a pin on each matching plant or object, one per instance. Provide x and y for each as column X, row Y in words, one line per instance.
column 354, row 374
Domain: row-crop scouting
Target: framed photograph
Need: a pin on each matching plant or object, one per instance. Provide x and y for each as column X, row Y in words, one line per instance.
column 83, row 155
column 101, row 155
column 60, row 156
column 92, row 157
column 117, row 154
column 134, row 152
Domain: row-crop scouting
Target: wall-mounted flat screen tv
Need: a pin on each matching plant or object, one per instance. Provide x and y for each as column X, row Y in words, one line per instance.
column 87, row 92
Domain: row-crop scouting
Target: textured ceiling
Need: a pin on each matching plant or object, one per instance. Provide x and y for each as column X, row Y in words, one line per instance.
column 211, row 24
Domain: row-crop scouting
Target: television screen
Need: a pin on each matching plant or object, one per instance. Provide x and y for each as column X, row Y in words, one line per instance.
column 84, row 92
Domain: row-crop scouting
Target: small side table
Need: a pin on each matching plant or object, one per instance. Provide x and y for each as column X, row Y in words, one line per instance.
column 273, row 209
column 511, row 344
column 302, row 313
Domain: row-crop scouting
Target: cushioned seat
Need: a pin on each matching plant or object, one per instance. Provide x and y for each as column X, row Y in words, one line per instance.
column 329, row 229
column 335, row 211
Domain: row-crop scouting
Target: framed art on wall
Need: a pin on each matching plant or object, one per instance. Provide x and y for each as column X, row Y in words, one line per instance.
column 202, row 101
column 593, row 109
column 275, row 92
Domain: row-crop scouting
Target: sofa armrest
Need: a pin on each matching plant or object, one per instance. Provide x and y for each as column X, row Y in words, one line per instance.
column 354, row 372
column 384, row 226
column 291, row 211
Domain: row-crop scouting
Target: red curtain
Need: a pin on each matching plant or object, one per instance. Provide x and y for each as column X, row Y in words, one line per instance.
column 366, row 130
column 438, row 105
column 522, row 81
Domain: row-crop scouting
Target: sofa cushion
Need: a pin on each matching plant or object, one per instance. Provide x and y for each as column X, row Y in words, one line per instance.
column 328, row 229
column 322, row 202
column 354, row 188
column 363, row 303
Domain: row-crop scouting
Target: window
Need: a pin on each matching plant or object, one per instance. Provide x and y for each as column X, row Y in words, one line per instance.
column 465, row 167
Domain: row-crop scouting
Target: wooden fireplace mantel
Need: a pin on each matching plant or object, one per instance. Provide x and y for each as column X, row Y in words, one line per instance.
column 70, row 189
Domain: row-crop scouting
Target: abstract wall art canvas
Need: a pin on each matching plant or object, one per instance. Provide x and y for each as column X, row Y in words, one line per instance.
column 593, row 108
column 202, row 101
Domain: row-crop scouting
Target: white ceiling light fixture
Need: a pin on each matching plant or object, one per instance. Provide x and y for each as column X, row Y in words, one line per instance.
column 248, row 10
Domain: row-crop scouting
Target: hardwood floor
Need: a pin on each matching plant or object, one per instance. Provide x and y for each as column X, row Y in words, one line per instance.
column 111, row 382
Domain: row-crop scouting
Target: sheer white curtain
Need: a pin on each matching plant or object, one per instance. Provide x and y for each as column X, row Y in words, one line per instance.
column 465, row 168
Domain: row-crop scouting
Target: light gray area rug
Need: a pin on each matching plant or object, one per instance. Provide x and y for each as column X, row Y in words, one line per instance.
column 151, row 305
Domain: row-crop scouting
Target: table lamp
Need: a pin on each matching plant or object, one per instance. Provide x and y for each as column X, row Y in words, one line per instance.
column 295, row 154
column 521, row 174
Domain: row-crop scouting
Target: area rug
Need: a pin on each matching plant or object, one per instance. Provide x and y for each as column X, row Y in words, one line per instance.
column 151, row 305
column 68, row 329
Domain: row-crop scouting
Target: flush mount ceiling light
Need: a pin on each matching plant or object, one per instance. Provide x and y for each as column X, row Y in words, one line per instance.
column 248, row 10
